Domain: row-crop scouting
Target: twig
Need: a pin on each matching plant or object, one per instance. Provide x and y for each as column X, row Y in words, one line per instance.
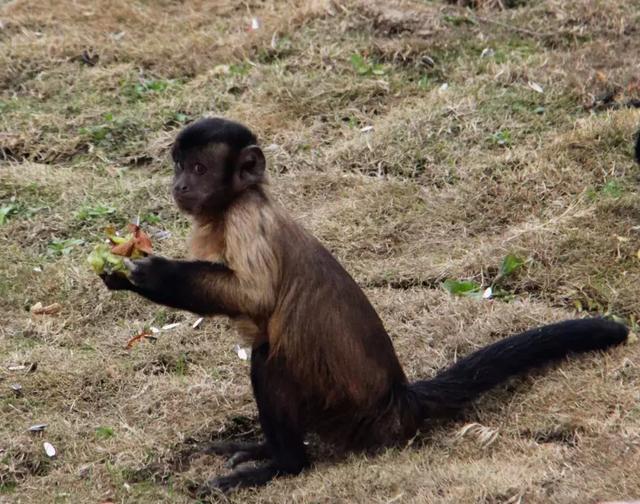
column 513, row 28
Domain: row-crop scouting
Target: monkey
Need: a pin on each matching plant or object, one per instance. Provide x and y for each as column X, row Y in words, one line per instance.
column 321, row 361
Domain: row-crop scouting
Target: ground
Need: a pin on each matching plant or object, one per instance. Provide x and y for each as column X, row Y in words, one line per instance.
column 421, row 141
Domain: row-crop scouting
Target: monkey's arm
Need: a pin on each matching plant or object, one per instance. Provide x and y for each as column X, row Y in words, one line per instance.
column 200, row 287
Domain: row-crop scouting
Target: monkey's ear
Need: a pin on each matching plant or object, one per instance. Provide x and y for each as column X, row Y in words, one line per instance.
column 249, row 168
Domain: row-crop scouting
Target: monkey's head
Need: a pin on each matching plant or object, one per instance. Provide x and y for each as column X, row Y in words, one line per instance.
column 215, row 160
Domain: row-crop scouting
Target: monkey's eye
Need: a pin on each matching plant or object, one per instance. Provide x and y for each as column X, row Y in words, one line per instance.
column 177, row 168
column 199, row 169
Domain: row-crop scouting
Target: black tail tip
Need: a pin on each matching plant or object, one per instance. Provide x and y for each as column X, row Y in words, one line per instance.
column 637, row 150
column 613, row 333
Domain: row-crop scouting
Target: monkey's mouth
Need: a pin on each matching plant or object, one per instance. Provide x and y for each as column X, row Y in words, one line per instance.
column 185, row 203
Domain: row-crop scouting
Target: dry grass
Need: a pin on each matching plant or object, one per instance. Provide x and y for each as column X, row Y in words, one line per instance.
column 448, row 181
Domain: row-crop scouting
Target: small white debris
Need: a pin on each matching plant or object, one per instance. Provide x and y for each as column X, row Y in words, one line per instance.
column 366, row 128
column 117, row 35
column 17, row 388
column 536, row 87
column 18, row 367
column 241, row 352
column 37, row 269
column 197, row 323
column 221, row 70
column 154, row 330
column 49, row 449
column 444, row 87
column 168, row 327
column 487, row 52
column 488, row 293
column 38, row 427
column 255, row 24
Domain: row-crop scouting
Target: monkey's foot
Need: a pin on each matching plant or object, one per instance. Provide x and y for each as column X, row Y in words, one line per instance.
column 239, row 452
column 241, row 478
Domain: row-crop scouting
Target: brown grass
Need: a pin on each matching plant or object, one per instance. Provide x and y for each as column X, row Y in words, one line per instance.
column 449, row 179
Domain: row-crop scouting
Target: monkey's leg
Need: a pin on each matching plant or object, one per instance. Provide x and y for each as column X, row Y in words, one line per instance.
column 279, row 417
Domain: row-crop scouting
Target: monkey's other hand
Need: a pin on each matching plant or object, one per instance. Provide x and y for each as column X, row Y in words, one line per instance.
column 150, row 274
column 116, row 281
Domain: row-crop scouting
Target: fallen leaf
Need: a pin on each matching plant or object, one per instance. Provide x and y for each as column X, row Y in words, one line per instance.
column 38, row 427
column 52, row 309
column 137, row 244
column 168, row 327
column 138, row 338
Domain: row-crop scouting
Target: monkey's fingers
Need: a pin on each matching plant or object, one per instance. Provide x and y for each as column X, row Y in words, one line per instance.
column 257, row 453
column 115, row 281
column 240, row 478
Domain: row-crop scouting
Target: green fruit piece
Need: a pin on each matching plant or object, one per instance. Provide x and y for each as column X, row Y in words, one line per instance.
column 119, row 240
column 96, row 260
column 103, row 261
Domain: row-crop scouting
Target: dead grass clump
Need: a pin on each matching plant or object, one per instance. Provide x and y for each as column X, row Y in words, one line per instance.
column 19, row 462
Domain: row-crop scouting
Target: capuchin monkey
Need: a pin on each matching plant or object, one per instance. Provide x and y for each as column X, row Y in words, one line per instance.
column 321, row 358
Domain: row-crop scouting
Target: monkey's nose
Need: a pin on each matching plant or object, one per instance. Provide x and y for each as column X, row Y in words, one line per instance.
column 181, row 188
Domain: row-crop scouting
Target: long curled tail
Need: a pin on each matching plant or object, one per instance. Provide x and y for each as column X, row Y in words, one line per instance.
column 455, row 387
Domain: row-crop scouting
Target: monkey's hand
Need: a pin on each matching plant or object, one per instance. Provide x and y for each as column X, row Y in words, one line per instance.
column 116, row 281
column 151, row 274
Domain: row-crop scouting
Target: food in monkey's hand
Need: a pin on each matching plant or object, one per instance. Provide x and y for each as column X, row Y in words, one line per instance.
column 108, row 258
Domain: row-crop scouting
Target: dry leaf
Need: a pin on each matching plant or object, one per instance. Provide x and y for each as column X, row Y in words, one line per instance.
column 52, row 309
column 138, row 244
column 138, row 338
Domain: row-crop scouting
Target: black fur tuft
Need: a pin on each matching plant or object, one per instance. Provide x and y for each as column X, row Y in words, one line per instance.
column 212, row 130
column 637, row 151
column 455, row 387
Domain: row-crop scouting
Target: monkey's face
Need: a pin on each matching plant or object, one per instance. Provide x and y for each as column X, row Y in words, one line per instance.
column 201, row 181
column 206, row 180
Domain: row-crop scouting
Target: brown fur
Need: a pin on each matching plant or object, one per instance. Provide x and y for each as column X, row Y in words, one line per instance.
column 320, row 326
